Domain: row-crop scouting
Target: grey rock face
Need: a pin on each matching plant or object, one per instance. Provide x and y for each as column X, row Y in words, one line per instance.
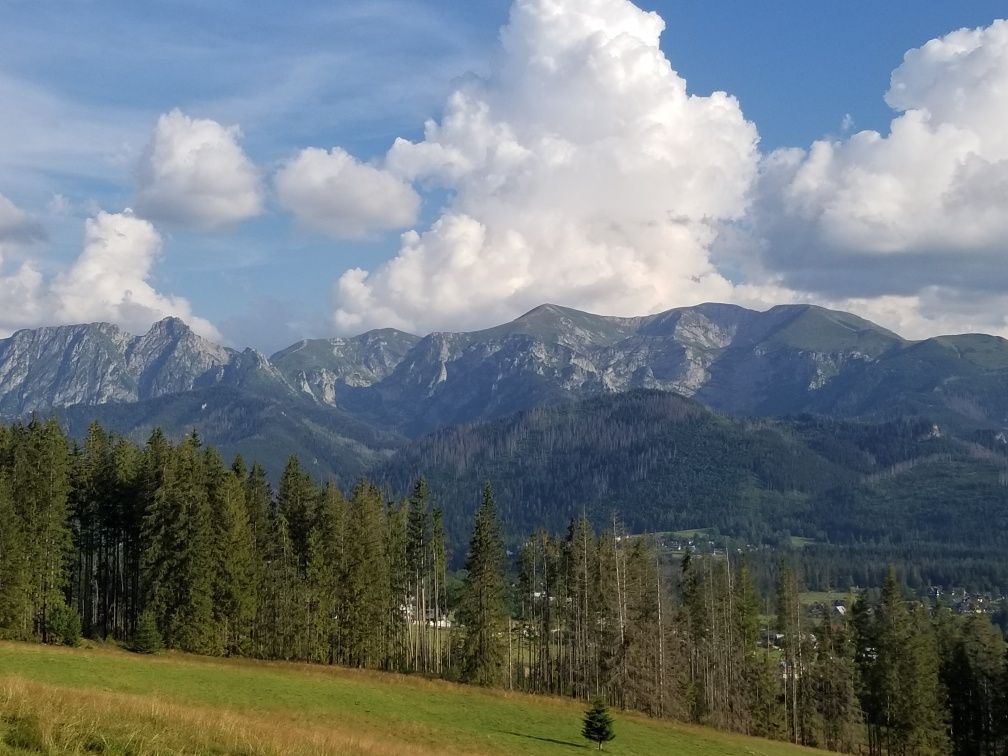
column 99, row 363
column 323, row 368
column 725, row 355
column 789, row 359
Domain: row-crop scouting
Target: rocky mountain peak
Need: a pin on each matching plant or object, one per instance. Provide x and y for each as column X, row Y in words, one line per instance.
column 99, row 363
column 789, row 359
column 325, row 368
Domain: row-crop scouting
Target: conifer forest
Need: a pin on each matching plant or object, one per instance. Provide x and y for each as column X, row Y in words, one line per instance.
column 169, row 544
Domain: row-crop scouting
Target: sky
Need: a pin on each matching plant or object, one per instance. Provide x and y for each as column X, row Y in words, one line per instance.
column 271, row 172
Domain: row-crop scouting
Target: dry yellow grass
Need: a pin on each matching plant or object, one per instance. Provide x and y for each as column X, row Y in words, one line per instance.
column 52, row 719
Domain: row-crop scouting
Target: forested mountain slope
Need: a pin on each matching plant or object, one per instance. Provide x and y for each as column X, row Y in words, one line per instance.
column 661, row 462
column 330, row 443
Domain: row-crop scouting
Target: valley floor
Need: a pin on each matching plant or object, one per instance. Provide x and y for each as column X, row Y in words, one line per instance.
column 103, row 700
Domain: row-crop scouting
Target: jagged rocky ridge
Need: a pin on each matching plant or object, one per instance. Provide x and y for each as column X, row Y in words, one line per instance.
column 789, row 359
column 377, row 387
column 99, row 363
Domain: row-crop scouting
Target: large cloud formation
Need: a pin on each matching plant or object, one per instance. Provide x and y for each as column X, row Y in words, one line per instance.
column 911, row 226
column 580, row 171
column 109, row 281
column 111, row 278
column 194, row 173
column 335, row 193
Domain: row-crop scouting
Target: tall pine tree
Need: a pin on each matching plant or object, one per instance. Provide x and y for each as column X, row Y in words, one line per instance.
column 482, row 608
column 234, row 556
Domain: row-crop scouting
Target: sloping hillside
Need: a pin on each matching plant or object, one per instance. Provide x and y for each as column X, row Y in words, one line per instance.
column 62, row 700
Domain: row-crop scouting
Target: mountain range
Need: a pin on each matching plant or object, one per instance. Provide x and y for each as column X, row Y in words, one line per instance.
column 794, row 423
column 346, row 404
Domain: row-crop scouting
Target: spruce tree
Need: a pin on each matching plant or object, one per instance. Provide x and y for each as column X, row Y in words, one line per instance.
column 795, row 650
column 326, row 553
column 64, row 625
column 15, row 608
column 319, row 605
column 418, row 560
column 258, row 506
column 179, row 560
column 921, row 705
column 258, row 503
column 582, row 585
column 884, row 635
column 834, row 687
column 161, row 534
column 127, row 471
column 972, row 673
column 482, row 609
column 41, row 478
column 195, row 625
column 757, row 679
column 901, row 693
column 598, row 724
column 644, row 663
column 89, row 483
column 439, row 556
column 282, row 599
column 693, row 616
column 297, row 499
column 235, row 569
column 146, row 638
column 404, row 629
column 364, row 582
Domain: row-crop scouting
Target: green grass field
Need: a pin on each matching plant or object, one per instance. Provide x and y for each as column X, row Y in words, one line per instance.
column 95, row 700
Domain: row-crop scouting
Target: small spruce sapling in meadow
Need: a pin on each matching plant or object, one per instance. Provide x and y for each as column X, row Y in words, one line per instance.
column 64, row 623
column 598, row 724
column 146, row 639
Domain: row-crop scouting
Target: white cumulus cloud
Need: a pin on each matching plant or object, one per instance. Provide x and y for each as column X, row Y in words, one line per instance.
column 911, row 223
column 336, row 194
column 580, row 171
column 194, row 173
column 22, row 296
column 108, row 281
column 111, row 278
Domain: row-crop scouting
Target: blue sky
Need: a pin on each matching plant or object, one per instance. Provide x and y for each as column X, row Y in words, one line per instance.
column 82, row 85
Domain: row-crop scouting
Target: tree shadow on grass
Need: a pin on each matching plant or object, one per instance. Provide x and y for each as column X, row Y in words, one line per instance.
column 545, row 740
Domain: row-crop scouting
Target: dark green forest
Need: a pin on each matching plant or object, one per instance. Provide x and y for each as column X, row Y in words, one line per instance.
column 165, row 544
column 903, row 492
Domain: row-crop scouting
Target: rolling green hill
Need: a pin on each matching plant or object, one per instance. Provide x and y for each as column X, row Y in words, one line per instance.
column 105, row 701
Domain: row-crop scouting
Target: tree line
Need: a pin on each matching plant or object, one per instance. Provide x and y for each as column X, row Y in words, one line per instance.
column 933, row 505
column 117, row 541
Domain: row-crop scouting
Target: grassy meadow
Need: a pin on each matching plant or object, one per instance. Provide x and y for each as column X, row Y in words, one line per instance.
column 99, row 700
